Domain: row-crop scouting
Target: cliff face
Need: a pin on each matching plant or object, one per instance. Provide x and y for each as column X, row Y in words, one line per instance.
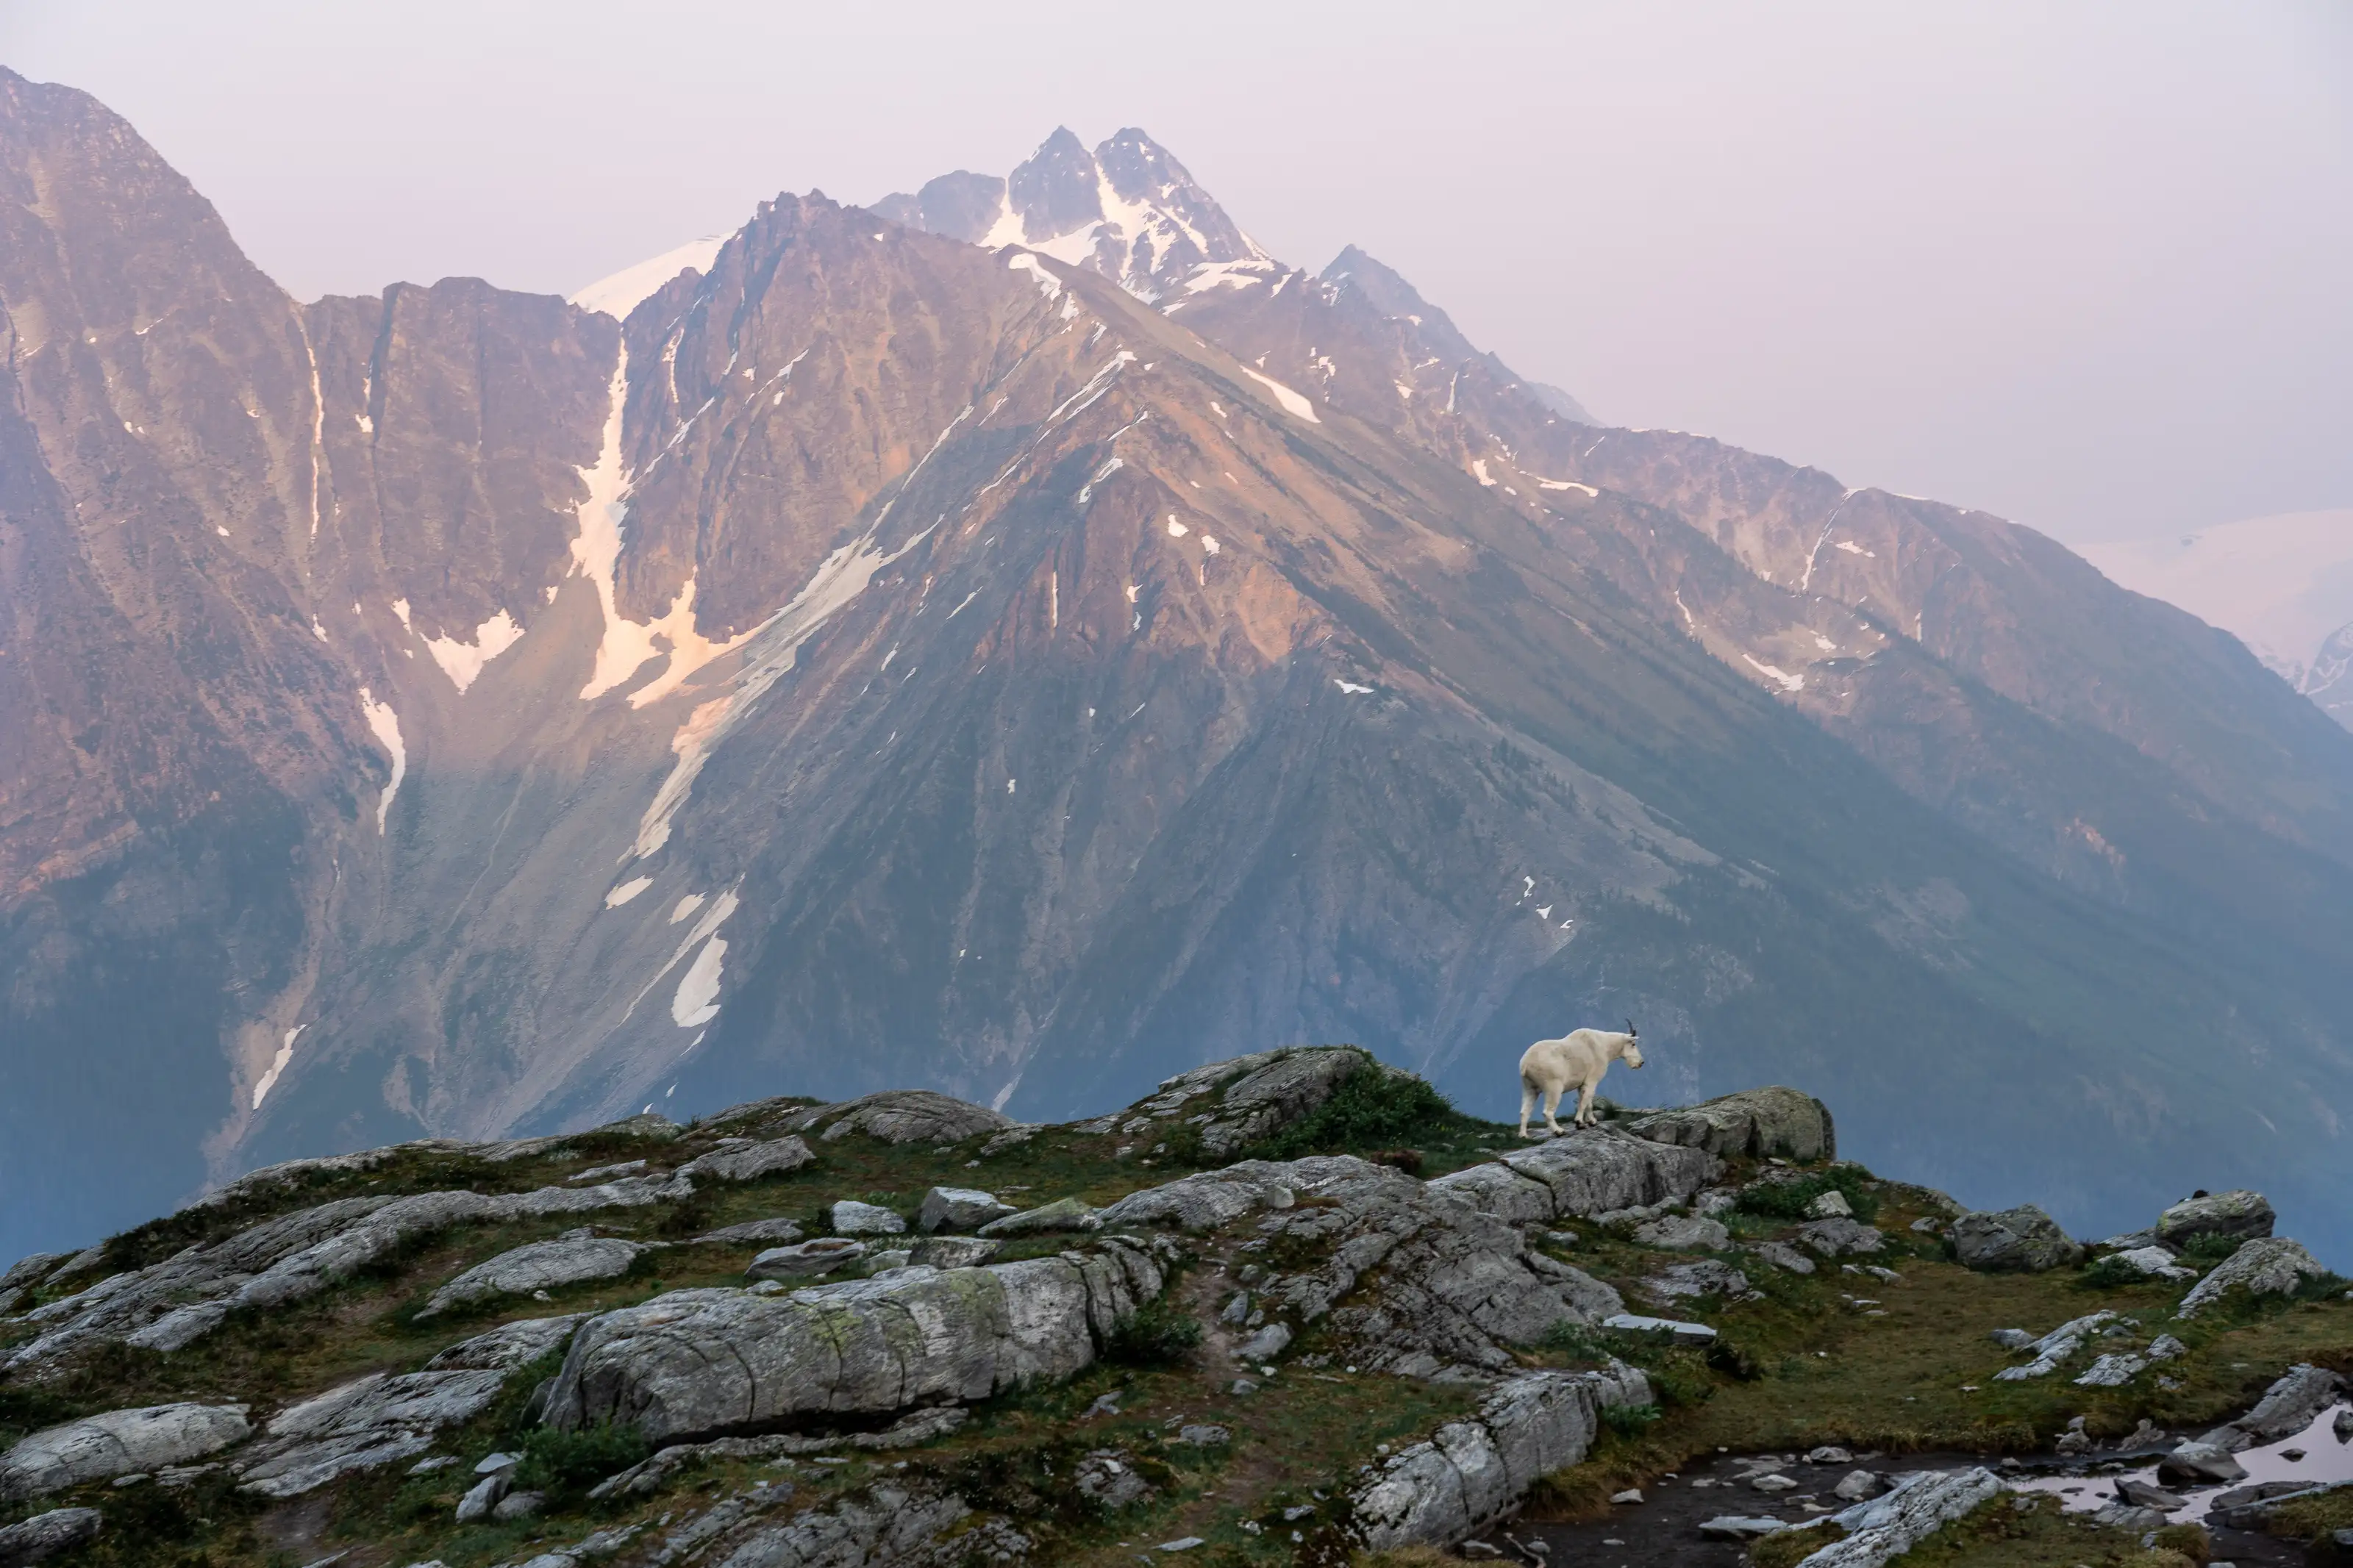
column 880, row 658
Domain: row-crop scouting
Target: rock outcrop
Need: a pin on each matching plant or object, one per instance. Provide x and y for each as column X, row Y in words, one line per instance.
column 1469, row 1473
column 1893, row 1524
column 118, row 1443
column 170, row 1305
column 508, row 1346
column 571, row 1259
column 1757, row 1122
column 2023, row 1240
column 2240, row 1213
column 1595, row 1170
column 2268, row 1265
column 374, row 1420
column 901, row 1115
column 1257, row 1097
column 697, row 1363
column 46, row 1535
column 2287, row 1408
column 743, row 1159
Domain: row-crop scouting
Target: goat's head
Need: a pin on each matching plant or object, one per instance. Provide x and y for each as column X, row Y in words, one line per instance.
column 1631, row 1053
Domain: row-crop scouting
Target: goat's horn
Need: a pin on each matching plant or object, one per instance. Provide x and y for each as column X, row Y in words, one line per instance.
column 1629, row 1026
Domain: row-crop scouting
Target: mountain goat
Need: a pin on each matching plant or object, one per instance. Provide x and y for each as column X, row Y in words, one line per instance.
column 1549, row 1067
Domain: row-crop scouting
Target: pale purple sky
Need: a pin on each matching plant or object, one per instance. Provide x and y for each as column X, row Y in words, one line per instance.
column 2082, row 266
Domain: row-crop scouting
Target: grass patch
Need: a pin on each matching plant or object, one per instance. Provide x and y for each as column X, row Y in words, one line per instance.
column 1159, row 1334
column 566, row 1464
column 2313, row 1519
column 1370, row 1108
column 1785, row 1197
column 1788, row 1548
column 2001, row 1535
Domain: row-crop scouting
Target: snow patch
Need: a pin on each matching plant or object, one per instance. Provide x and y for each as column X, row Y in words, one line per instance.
column 1175, row 529
column 277, row 1066
column 1789, row 682
column 627, row 890
column 1350, row 689
column 621, row 292
column 1567, row 485
column 385, row 726
column 686, row 906
column 1852, row 548
column 1293, row 402
column 463, row 662
column 1478, row 467
column 697, row 1000
column 1048, row 284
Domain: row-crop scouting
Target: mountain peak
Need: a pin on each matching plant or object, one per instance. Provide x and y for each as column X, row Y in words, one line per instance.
column 1128, row 210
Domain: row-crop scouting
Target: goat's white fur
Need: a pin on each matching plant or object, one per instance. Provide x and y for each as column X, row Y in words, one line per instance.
column 1550, row 1068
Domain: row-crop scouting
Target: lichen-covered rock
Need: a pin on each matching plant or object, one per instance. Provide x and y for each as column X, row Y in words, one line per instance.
column 1593, row 1170
column 573, row 1259
column 850, row 1217
column 704, row 1362
column 172, row 1304
column 2112, row 1371
column 1685, row 1233
column 2150, row 1263
column 1245, row 1099
column 1757, row 1122
column 1062, row 1214
column 2200, row 1463
column 508, row 1346
column 742, row 1159
column 807, row 1260
column 902, row 1116
column 898, row 1523
column 1841, row 1237
column 374, row 1420
column 45, row 1535
column 2053, row 1349
column 2287, row 1408
column 1782, row 1256
column 959, row 1208
column 1469, row 1473
column 1706, row 1278
column 953, row 1251
column 30, row 1270
column 2267, row 1266
column 1917, row 1506
column 2023, row 1240
column 2235, row 1214
column 118, row 1443
column 753, row 1233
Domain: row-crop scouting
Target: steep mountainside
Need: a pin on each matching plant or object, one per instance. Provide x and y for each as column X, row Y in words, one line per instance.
column 850, row 655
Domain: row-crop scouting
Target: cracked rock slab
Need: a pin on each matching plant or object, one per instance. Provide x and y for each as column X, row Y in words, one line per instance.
column 902, row 1116
column 2267, row 1266
column 1918, row 1505
column 373, row 1420
column 45, row 1535
column 118, row 1443
column 508, row 1346
column 572, row 1260
column 1757, row 1123
column 742, row 1159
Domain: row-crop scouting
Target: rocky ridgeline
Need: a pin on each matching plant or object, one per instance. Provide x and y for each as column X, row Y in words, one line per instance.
column 882, row 1332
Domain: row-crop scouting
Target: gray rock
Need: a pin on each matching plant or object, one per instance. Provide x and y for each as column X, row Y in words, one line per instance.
column 2012, row 1339
column 118, row 1443
column 484, row 1495
column 954, row 1251
column 1264, row 1345
column 1840, row 1239
column 850, row 1217
column 29, row 1271
column 373, row 1420
column 2262, row 1491
column 1831, row 1205
column 881, row 1263
column 903, row 1115
column 1706, row 1278
column 508, row 1346
column 753, row 1233
column 573, row 1258
column 1772, row 1483
column 2150, row 1262
column 748, row 1162
column 2200, row 1463
column 2023, row 1240
column 1011, row 1138
column 1683, row 1333
column 2267, row 1266
column 1203, row 1437
column 2112, row 1371
column 1858, row 1484
column 2147, row 1494
column 2237, row 1214
column 2053, row 1349
column 1469, row 1473
column 650, row 1475
column 1062, row 1214
column 1917, row 1506
column 2129, row 1241
column 695, row 1364
column 1782, row 1256
column 1681, row 1233
column 805, row 1259
column 1107, row 1477
column 959, row 1208
column 43, row 1536
column 889, row 1523
column 1262, row 1094
column 1761, row 1124
column 2287, row 1408
column 1828, row 1454
column 519, row 1505
column 2165, row 1347
column 2129, row 1517
column 89, row 1260
column 170, row 1305
column 1740, row 1527
column 2343, row 1425
column 1593, row 1170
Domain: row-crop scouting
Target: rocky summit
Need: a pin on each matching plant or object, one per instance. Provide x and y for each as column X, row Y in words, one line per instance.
column 1288, row 1309
column 1002, row 646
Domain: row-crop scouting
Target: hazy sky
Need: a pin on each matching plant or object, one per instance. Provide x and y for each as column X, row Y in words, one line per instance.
column 2090, row 267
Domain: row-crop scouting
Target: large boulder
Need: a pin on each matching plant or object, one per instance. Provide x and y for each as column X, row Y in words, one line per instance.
column 573, row 1259
column 508, row 1346
column 1471, row 1473
column 45, row 1535
column 1596, row 1169
column 2023, row 1240
column 2287, row 1408
column 1919, row 1505
column 1757, row 1123
column 1244, row 1099
column 373, row 1421
column 697, row 1363
column 2267, row 1266
column 902, row 1116
column 2233, row 1214
column 119, row 1442
column 29, row 1271
column 959, row 1208
column 742, row 1159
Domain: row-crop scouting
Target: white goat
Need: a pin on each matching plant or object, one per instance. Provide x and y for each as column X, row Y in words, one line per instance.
column 1549, row 1067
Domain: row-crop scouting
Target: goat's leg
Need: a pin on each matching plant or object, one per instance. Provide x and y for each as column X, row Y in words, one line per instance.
column 1585, row 1117
column 1527, row 1103
column 1552, row 1104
